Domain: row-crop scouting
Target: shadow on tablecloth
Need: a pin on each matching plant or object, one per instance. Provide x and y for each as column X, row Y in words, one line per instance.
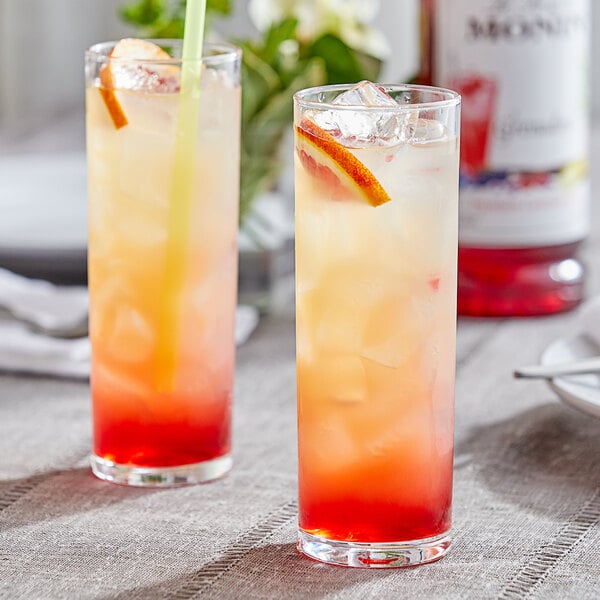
column 59, row 493
column 269, row 571
column 539, row 460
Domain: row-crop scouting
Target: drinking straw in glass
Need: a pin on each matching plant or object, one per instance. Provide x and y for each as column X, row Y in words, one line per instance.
column 163, row 129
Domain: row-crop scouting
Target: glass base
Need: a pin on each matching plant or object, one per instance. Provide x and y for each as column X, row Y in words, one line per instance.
column 386, row 555
column 160, row 476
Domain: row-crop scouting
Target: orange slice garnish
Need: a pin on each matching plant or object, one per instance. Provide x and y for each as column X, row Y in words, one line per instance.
column 131, row 49
column 332, row 163
column 115, row 110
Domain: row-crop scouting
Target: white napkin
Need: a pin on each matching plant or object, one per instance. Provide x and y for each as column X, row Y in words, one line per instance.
column 24, row 350
column 42, row 302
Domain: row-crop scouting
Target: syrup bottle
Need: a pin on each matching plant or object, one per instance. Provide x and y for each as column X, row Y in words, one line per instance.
column 521, row 67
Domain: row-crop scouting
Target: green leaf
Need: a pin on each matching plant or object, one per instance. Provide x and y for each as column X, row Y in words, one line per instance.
column 167, row 29
column 142, row 13
column 259, row 82
column 369, row 65
column 221, row 7
column 343, row 65
column 277, row 34
column 165, row 18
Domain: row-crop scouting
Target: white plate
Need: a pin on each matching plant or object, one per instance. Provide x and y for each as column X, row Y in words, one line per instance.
column 579, row 391
column 43, row 203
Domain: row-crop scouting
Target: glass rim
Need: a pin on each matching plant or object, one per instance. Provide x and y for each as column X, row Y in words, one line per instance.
column 449, row 98
column 225, row 52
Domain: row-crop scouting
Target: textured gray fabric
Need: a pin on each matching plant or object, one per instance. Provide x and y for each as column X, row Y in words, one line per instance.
column 526, row 508
column 526, row 504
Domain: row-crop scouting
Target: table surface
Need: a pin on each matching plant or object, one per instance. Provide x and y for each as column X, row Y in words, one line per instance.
column 526, row 493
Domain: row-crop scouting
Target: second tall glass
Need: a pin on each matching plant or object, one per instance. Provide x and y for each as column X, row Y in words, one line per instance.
column 376, row 244
column 162, row 277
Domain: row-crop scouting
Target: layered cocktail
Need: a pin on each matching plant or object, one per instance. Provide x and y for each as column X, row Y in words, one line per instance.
column 162, row 268
column 376, row 174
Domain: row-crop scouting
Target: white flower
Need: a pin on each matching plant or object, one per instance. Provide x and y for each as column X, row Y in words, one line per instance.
column 351, row 20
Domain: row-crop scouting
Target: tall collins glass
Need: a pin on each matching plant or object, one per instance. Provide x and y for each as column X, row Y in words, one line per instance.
column 163, row 213
column 376, row 175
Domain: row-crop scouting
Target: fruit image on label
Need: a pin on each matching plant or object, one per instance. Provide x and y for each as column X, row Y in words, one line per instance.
column 478, row 95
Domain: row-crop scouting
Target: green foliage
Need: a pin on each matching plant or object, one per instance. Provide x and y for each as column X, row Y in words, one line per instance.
column 264, row 127
column 165, row 18
column 143, row 13
column 273, row 69
column 343, row 64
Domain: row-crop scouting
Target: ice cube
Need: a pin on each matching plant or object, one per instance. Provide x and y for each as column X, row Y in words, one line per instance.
column 365, row 93
column 131, row 393
column 143, row 78
column 363, row 128
column 392, row 335
column 390, row 436
column 132, row 338
column 343, row 378
column 427, row 130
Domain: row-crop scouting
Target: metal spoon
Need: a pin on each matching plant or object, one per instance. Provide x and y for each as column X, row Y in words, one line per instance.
column 578, row 367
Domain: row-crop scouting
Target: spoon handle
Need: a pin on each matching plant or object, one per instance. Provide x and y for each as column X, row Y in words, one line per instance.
column 579, row 367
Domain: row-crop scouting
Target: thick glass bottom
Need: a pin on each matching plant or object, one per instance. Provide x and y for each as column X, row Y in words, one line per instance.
column 386, row 555
column 506, row 282
column 160, row 476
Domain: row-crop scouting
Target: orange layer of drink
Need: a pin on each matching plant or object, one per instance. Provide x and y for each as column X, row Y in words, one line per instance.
column 376, row 246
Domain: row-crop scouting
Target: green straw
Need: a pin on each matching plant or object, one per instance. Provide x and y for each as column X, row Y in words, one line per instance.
column 180, row 207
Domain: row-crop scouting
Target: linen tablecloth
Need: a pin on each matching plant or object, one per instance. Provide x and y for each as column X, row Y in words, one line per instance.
column 526, row 505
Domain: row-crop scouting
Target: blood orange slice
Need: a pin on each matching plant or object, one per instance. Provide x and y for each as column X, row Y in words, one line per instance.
column 133, row 49
column 329, row 161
